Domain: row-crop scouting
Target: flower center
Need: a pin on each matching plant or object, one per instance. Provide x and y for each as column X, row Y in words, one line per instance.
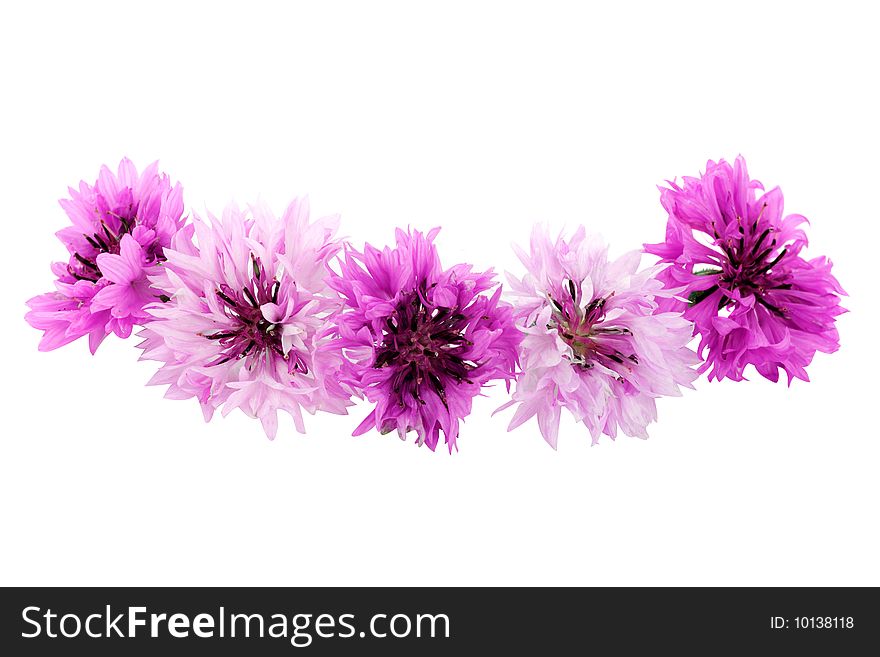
column 583, row 329
column 83, row 265
column 748, row 264
column 426, row 347
column 253, row 335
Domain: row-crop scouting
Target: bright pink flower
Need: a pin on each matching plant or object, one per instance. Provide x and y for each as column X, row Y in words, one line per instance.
column 737, row 261
column 121, row 225
column 420, row 341
column 594, row 342
column 248, row 307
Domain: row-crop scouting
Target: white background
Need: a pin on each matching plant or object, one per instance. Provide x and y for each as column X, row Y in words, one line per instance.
column 482, row 118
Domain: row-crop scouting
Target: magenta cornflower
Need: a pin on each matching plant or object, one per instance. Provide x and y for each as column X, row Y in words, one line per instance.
column 420, row 341
column 754, row 299
column 245, row 317
column 595, row 343
column 121, row 225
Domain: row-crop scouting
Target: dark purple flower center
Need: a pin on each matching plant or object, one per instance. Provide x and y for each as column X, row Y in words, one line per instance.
column 426, row 347
column 252, row 334
column 83, row 265
column 749, row 264
column 610, row 346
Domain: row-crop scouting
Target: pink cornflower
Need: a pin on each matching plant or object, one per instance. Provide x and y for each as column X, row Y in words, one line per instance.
column 753, row 298
column 121, row 225
column 594, row 342
column 248, row 305
column 420, row 341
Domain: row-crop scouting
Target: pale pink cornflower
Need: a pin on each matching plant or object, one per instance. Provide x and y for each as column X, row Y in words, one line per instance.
column 248, row 306
column 594, row 342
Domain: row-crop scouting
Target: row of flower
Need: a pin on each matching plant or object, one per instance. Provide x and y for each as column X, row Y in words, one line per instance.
column 251, row 312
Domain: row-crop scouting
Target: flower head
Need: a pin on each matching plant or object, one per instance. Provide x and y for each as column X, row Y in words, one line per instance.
column 121, row 225
column 244, row 323
column 594, row 342
column 737, row 260
column 420, row 340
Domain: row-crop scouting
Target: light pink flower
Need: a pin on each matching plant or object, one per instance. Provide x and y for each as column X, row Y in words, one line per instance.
column 248, row 308
column 594, row 343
